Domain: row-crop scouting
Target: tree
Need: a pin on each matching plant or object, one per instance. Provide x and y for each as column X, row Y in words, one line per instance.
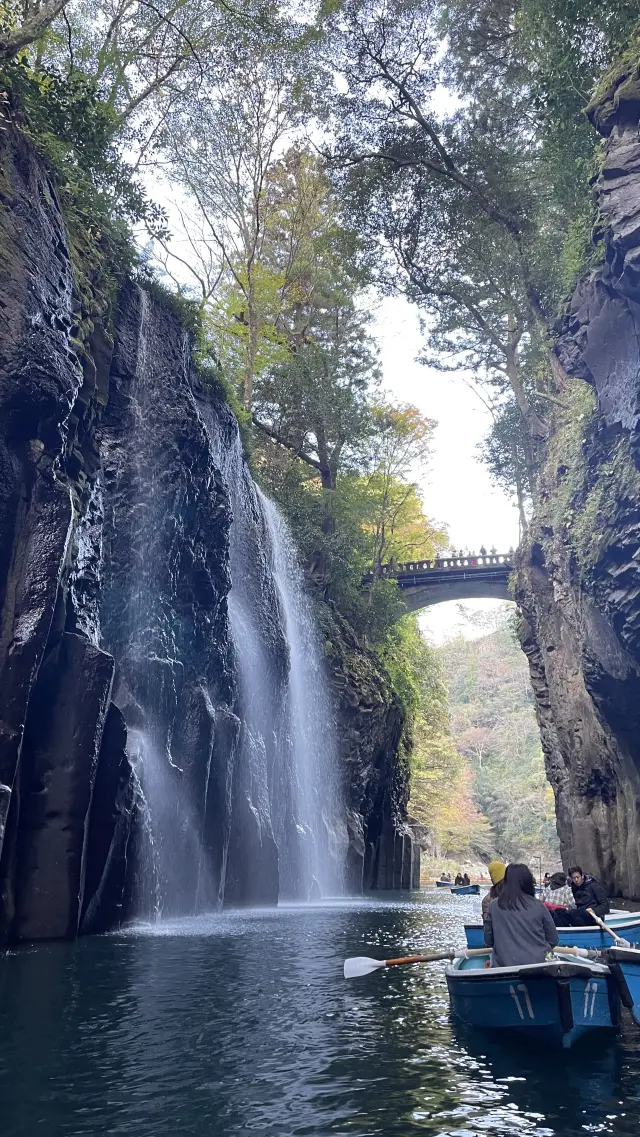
column 224, row 149
column 316, row 403
column 391, row 61
column 495, row 731
column 442, row 796
column 479, row 221
column 22, row 24
column 400, row 445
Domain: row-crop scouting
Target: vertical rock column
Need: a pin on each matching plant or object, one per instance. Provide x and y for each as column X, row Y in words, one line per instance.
column 58, row 773
column 39, row 380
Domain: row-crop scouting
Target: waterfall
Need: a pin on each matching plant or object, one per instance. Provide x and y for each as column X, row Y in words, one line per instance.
column 287, row 801
column 312, row 731
column 170, row 872
column 220, row 674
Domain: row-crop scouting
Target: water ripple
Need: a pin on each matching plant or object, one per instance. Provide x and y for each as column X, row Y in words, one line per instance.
column 241, row 1023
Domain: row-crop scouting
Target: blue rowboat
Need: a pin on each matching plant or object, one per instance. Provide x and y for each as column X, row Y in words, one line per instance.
column 626, row 924
column 443, row 884
column 466, row 890
column 556, row 1002
column 624, row 964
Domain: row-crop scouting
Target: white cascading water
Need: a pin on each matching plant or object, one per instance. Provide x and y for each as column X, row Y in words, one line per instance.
column 289, row 748
column 171, row 871
column 281, row 824
column 311, row 725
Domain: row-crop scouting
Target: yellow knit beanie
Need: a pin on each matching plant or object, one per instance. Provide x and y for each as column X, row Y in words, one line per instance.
column 497, row 871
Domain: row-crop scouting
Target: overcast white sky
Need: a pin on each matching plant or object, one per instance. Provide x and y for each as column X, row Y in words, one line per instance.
column 457, row 488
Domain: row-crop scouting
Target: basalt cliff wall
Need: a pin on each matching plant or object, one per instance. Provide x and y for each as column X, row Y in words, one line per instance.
column 95, row 650
column 578, row 584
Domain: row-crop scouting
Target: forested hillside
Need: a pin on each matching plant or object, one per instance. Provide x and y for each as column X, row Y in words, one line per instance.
column 479, row 781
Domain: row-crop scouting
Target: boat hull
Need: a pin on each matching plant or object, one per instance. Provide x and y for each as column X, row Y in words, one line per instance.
column 625, row 967
column 588, row 937
column 466, row 890
column 555, row 1003
column 443, row 884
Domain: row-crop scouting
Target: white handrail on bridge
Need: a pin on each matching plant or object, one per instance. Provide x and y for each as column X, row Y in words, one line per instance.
column 471, row 561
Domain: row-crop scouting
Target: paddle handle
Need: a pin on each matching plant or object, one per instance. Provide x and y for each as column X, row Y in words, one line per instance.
column 408, row 959
column 434, row 956
column 616, row 939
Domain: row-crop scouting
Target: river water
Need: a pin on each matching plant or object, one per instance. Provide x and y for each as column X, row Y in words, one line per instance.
column 243, row 1023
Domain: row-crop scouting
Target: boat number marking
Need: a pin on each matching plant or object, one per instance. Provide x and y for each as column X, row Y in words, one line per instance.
column 513, row 991
column 590, row 989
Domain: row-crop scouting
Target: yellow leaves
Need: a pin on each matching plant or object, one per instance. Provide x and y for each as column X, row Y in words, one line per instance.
column 442, row 791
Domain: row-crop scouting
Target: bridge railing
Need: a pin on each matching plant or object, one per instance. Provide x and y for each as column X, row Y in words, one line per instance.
column 481, row 561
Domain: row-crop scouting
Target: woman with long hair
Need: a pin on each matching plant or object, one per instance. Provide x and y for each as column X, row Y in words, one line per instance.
column 517, row 926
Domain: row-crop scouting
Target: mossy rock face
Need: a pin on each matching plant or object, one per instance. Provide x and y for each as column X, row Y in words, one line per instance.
column 578, row 583
column 617, row 97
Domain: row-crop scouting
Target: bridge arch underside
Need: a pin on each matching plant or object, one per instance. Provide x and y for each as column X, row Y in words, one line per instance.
column 419, row 596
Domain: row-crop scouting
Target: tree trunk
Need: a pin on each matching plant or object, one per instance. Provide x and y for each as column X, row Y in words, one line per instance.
column 520, row 497
column 252, row 344
column 534, row 426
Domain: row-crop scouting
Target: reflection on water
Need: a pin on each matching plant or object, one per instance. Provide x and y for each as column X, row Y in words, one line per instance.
column 242, row 1023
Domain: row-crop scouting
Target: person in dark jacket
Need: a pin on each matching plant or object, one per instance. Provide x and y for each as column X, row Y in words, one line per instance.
column 587, row 893
column 517, row 926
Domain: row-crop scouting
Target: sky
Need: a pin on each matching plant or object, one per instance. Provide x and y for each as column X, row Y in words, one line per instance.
column 457, row 488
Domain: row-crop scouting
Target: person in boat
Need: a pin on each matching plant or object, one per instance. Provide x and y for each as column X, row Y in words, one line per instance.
column 558, row 893
column 587, row 893
column 518, row 926
column 466, row 880
column 496, row 872
column 459, row 879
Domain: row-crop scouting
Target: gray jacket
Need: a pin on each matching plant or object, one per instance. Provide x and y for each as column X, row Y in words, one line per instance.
column 519, row 935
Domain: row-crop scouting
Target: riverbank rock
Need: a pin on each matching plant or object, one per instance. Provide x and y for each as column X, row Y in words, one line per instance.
column 578, row 582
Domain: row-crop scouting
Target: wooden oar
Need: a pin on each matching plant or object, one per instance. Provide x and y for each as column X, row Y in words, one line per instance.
column 616, row 938
column 364, row 965
column 581, row 952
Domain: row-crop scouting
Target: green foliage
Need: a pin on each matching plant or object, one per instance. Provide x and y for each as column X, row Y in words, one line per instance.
column 75, row 132
column 485, row 210
column 584, row 483
column 441, row 782
column 405, row 655
column 626, row 63
column 495, row 731
column 187, row 310
column 563, row 475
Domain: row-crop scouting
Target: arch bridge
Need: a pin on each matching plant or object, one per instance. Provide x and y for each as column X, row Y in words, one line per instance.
column 423, row 583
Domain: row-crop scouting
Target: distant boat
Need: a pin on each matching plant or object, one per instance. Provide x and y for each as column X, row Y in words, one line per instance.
column 625, row 967
column 466, row 890
column 626, row 924
column 556, row 1002
column 443, row 884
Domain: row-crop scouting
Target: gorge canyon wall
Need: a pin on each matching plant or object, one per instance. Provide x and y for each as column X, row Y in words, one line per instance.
column 137, row 771
column 578, row 583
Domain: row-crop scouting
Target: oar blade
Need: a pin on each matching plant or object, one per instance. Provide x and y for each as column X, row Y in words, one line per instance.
column 361, row 965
